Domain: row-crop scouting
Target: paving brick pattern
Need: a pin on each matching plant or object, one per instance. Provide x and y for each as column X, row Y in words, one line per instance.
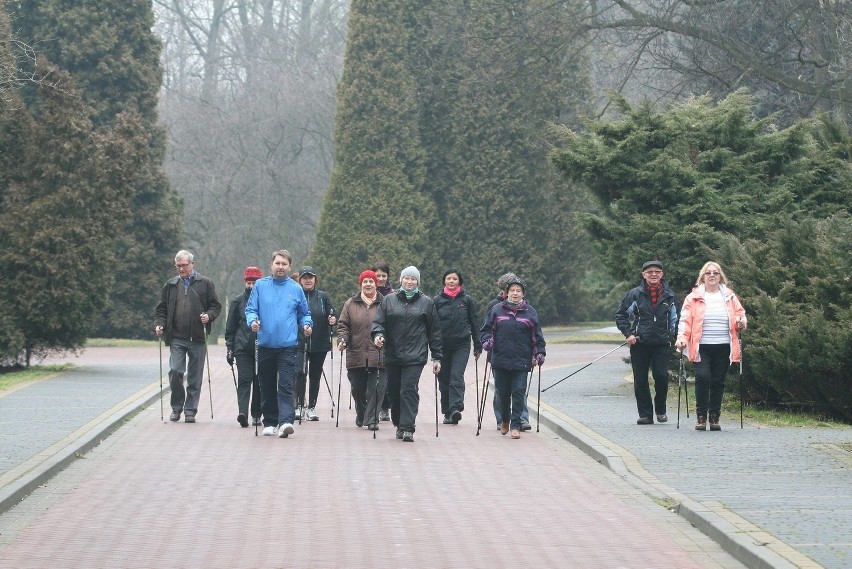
column 212, row 494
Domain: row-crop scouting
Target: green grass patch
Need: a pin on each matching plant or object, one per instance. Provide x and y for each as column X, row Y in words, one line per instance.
column 9, row 379
column 118, row 343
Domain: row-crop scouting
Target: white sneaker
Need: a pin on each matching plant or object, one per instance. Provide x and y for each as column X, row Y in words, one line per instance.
column 268, row 431
column 312, row 414
column 285, row 430
column 298, row 412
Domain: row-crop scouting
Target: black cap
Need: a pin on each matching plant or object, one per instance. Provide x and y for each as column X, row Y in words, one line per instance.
column 652, row 264
column 307, row 271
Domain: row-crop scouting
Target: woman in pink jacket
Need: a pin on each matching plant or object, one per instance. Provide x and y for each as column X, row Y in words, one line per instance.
column 709, row 327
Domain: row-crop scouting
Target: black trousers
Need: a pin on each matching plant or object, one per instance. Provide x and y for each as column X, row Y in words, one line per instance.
column 315, row 363
column 404, row 394
column 656, row 358
column 710, row 375
column 248, row 388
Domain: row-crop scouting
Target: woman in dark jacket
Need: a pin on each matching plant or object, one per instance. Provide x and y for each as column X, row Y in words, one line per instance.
column 406, row 324
column 363, row 366
column 512, row 334
column 240, row 342
column 317, row 346
column 459, row 323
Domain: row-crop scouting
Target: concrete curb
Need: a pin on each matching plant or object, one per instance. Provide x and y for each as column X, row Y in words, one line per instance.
column 738, row 544
column 16, row 491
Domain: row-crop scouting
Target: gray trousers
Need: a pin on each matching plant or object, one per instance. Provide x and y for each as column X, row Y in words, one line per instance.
column 181, row 349
column 404, row 393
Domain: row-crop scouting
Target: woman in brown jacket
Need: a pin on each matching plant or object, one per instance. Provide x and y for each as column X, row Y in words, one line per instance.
column 363, row 366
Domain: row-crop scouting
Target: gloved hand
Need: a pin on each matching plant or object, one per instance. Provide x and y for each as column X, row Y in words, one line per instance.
column 341, row 344
column 487, row 345
column 230, row 358
column 539, row 360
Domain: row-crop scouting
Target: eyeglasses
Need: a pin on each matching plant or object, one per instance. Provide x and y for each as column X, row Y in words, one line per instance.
column 182, row 265
column 712, row 274
column 653, row 272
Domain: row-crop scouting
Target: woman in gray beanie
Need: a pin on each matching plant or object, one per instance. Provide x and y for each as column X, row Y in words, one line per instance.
column 405, row 325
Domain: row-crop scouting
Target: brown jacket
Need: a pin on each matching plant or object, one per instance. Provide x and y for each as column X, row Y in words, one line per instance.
column 353, row 327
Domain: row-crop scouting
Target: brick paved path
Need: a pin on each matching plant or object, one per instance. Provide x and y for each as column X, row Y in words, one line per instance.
column 212, row 494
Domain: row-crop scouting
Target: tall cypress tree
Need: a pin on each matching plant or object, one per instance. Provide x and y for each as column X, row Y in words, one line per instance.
column 110, row 51
column 375, row 208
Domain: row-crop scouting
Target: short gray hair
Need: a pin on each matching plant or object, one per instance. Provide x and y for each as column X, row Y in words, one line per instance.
column 184, row 254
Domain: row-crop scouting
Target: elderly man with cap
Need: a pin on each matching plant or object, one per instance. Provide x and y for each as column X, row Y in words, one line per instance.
column 647, row 316
column 405, row 325
column 316, row 347
column 240, row 342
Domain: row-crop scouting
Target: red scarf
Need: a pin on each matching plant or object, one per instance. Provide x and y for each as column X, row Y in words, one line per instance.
column 453, row 293
column 655, row 292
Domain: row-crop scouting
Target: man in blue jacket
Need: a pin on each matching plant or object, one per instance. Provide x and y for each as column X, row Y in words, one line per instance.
column 275, row 310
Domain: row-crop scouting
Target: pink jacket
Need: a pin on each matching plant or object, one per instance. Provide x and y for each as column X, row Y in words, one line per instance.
column 692, row 321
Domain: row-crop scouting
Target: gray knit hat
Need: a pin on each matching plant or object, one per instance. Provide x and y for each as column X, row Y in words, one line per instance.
column 503, row 281
column 410, row 271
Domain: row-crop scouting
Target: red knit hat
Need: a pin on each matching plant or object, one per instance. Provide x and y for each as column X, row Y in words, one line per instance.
column 252, row 274
column 368, row 274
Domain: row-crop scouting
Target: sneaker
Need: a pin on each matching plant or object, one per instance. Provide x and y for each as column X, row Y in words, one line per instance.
column 384, row 415
column 447, row 420
column 269, row 431
column 399, row 434
column 189, row 418
column 456, row 417
column 312, row 414
column 298, row 412
column 255, row 421
column 526, row 427
column 662, row 418
column 175, row 416
column 242, row 420
column 285, row 430
column 408, row 436
column 644, row 421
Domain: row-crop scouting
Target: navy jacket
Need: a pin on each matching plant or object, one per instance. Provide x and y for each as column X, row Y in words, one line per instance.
column 516, row 335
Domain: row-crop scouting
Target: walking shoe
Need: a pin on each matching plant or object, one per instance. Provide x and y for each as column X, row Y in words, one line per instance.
column 359, row 421
column 701, row 423
column 384, row 415
column 447, row 420
column 255, row 421
column 399, row 434
column 373, row 427
column 504, row 427
column 526, row 427
column 298, row 412
column 312, row 414
column 189, row 418
column 456, row 417
column 269, row 431
column 516, row 434
column 175, row 416
column 242, row 420
column 714, row 423
column 644, row 421
column 408, row 436
column 285, row 430
column 662, row 418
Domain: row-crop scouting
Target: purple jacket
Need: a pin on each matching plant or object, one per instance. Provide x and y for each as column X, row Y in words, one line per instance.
column 516, row 336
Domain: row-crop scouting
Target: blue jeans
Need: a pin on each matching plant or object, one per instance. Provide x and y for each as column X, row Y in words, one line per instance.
column 511, row 387
column 277, row 396
column 498, row 413
column 186, row 400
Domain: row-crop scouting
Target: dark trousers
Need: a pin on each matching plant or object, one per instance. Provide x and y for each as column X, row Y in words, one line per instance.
column 710, row 375
column 404, row 394
column 451, row 379
column 248, row 387
column 511, row 386
column 275, row 370
column 368, row 387
column 315, row 363
column 656, row 358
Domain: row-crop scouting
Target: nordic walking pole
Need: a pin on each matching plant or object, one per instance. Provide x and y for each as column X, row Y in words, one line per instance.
column 256, row 376
column 476, row 378
column 584, row 367
column 207, row 357
column 162, row 417
column 436, row 401
column 331, row 341
column 529, row 383
column 679, row 388
column 234, row 376
column 304, row 389
column 741, row 381
column 328, row 387
column 339, row 382
column 538, row 403
column 484, row 397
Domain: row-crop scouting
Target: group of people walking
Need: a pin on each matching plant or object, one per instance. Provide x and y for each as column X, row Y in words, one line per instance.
column 281, row 328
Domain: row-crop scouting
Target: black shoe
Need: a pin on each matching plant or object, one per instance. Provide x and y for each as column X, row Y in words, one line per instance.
column 175, row 416
column 242, row 420
column 373, row 427
column 456, row 417
column 399, row 434
column 408, row 436
column 662, row 418
column 189, row 419
column 447, row 420
column 255, row 421
column 384, row 415
column 644, row 421
column 359, row 421
column 526, row 427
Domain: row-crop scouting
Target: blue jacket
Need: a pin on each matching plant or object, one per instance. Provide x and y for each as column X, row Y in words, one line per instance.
column 515, row 334
column 282, row 309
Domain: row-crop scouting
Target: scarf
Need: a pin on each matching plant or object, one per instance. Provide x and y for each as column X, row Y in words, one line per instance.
column 368, row 301
column 410, row 294
column 453, row 293
column 655, row 292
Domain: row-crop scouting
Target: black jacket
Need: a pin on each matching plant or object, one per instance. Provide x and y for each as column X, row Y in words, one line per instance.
column 239, row 339
column 202, row 298
column 321, row 309
column 408, row 327
column 653, row 326
column 515, row 334
column 458, row 318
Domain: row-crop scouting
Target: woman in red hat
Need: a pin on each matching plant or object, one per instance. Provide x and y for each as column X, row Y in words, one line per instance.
column 240, row 341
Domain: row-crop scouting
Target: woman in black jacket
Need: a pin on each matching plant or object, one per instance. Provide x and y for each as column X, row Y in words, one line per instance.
column 459, row 323
column 405, row 326
column 317, row 346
